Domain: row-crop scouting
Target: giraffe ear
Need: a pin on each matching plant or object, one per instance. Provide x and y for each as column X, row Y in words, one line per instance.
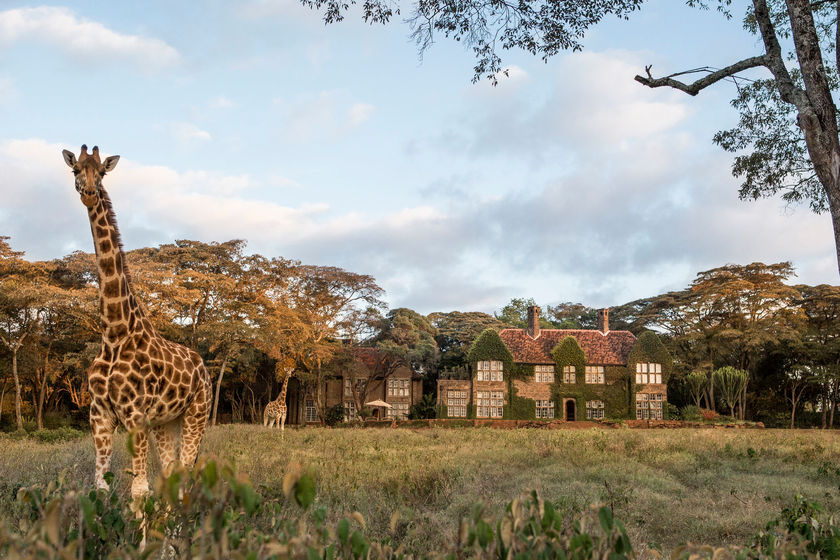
column 69, row 158
column 110, row 163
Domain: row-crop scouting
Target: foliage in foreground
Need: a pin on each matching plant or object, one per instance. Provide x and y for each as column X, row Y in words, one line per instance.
column 215, row 512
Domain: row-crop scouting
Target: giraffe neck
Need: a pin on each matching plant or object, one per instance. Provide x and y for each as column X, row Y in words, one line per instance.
column 118, row 309
column 282, row 398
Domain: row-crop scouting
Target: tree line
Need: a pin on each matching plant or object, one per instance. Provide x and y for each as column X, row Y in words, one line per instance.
column 745, row 341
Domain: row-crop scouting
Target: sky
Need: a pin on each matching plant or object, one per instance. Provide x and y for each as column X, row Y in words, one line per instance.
column 339, row 145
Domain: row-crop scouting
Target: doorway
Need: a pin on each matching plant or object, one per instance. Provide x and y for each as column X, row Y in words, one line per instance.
column 570, row 406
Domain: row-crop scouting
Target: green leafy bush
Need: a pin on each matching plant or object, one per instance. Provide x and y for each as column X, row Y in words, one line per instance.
column 334, row 415
column 691, row 413
column 424, row 409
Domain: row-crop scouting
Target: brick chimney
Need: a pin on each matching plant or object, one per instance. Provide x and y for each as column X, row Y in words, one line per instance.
column 604, row 320
column 533, row 321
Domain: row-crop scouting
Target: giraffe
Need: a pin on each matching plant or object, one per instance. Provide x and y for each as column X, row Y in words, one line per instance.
column 139, row 380
column 275, row 411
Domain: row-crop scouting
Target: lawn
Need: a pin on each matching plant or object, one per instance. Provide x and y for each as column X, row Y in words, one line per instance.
column 713, row 486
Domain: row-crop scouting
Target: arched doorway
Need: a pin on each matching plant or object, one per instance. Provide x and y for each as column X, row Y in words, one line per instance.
column 570, row 406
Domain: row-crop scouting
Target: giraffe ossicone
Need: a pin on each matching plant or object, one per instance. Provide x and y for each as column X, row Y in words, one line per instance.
column 139, row 380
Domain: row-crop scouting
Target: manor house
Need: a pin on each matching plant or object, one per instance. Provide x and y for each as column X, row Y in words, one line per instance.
column 568, row 374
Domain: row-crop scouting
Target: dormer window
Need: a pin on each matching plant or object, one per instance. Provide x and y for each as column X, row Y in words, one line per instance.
column 492, row 370
column 648, row 373
column 544, row 374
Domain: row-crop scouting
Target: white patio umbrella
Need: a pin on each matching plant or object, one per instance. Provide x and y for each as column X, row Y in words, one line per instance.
column 378, row 403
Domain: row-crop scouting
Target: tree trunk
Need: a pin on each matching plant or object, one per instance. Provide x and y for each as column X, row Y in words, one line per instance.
column 219, row 387
column 2, row 398
column 824, row 411
column 42, row 390
column 18, row 416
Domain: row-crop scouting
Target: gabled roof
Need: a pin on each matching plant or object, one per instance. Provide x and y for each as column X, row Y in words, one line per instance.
column 607, row 349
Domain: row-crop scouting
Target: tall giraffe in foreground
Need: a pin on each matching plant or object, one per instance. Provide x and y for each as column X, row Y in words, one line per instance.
column 140, row 379
column 275, row 411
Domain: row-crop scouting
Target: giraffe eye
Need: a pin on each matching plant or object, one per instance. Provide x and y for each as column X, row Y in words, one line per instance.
column 76, row 171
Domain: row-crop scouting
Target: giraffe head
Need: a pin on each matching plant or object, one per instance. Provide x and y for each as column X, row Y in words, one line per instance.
column 89, row 170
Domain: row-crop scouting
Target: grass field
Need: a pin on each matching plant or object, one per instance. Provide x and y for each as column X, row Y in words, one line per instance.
column 669, row 486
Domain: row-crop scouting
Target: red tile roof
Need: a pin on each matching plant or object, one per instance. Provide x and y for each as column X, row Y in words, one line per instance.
column 607, row 349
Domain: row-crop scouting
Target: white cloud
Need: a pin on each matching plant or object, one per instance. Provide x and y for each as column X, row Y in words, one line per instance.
column 220, row 102
column 82, row 37
column 600, row 234
column 359, row 113
column 188, row 132
column 329, row 114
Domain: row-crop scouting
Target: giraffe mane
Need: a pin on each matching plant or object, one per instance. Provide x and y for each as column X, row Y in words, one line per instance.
column 112, row 217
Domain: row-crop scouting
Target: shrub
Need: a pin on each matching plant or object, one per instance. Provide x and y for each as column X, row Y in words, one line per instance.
column 334, row 415
column 691, row 413
column 424, row 409
column 708, row 414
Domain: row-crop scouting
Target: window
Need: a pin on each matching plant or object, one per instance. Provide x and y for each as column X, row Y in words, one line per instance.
column 310, row 412
column 456, row 403
column 545, row 409
column 594, row 410
column 398, row 410
column 349, row 411
column 544, row 374
column 490, row 404
column 648, row 373
column 568, row 374
column 490, row 371
column 348, row 387
column 649, row 406
column 595, row 374
column 398, row 387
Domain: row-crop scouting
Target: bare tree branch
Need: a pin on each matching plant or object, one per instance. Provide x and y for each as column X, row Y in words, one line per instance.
column 712, row 78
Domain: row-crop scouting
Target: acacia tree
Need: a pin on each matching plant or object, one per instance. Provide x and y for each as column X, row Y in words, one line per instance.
column 456, row 331
column 798, row 379
column 22, row 292
column 821, row 343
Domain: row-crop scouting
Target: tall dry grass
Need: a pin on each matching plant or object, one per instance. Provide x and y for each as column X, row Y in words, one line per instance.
column 670, row 486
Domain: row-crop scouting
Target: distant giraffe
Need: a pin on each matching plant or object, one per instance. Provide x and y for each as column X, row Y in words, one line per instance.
column 275, row 411
column 140, row 379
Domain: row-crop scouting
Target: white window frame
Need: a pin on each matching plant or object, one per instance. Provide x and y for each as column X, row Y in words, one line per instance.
column 649, row 406
column 569, row 374
column 490, row 370
column 398, row 387
column 398, row 410
column 350, row 412
column 310, row 411
column 544, row 409
column 456, row 403
column 595, row 375
column 544, row 374
column 648, row 373
column 595, row 410
column 489, row 404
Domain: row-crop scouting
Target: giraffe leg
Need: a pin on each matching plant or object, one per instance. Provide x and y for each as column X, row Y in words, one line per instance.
column 283, row 419
column 192, row 430
column 103, row 440
column 140, row 441
column 166, row 436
